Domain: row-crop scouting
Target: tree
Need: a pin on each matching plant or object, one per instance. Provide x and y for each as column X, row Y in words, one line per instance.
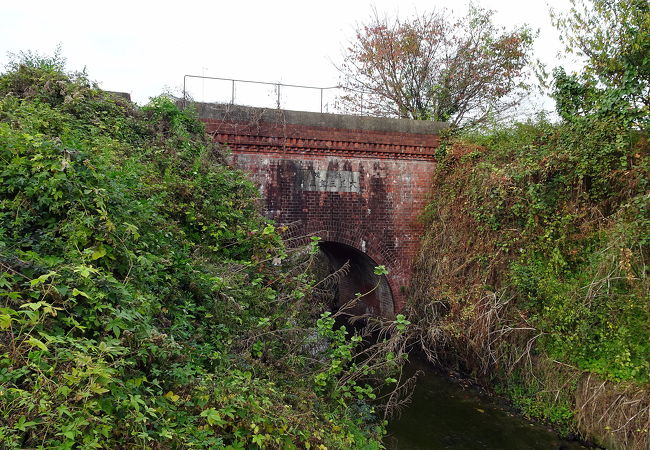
column 432, row 66
column 613, row 38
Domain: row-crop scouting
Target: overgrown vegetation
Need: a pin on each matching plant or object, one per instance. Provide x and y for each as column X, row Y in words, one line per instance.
column 534, row 271
column 142, row 299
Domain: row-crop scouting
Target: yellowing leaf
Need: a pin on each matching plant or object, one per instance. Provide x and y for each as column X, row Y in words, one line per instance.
column 97, row 389
column 173, row 397
column 98, row 253
column 5, row 321
column 36, row 343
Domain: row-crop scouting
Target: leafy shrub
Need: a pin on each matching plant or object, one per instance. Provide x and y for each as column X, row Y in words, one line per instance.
column 536, row 249
column 135, row 273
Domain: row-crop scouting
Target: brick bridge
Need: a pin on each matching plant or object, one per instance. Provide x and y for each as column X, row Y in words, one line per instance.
column 359, row 183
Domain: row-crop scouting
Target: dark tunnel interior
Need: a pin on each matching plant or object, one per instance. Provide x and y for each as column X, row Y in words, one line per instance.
column 360, row 278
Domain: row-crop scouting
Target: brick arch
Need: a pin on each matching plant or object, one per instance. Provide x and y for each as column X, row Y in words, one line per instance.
column 301, row 233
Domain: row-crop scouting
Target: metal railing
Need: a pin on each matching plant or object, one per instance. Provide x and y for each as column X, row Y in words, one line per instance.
column 277, row 86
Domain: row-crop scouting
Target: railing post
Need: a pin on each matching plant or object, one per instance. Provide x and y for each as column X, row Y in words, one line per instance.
column 278, row 85
column 184, row 92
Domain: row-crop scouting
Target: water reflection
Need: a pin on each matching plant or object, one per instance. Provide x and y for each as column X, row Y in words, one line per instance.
column 443, row 415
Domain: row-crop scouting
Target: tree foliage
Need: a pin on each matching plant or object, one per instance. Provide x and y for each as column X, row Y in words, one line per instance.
column 613, row 38
column 435, row 67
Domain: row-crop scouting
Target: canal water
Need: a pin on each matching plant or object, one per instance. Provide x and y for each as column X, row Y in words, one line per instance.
column 444, row 415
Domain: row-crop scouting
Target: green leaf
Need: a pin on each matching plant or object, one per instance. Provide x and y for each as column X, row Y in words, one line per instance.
column 99, row 252
column 97, row 389
column 212, row 416
column 76, row 292
column 23, row 424
column 85, row 271
column 269, row 229
column 42, row 279
column 258, row 439
column 381, row 270
column 36, row 343
column 5, row 321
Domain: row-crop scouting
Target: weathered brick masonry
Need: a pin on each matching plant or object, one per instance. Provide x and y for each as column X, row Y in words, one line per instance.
column 356, row 181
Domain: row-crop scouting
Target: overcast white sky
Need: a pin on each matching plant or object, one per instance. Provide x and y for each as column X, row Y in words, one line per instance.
column 145, row 47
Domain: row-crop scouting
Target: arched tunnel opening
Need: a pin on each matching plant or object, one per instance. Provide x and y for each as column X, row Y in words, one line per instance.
column 377, row 298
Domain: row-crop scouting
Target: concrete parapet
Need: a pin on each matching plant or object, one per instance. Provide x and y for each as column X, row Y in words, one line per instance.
column 237, row 113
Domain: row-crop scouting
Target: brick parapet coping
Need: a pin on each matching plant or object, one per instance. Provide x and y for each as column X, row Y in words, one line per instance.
column 268, row 130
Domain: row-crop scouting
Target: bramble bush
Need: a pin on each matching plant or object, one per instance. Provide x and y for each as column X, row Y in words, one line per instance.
column 534, row 268
column 579, row 201
column 537, row 245
column 136, row 283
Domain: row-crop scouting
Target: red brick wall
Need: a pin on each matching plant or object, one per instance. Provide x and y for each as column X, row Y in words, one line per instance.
column 378, row 185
